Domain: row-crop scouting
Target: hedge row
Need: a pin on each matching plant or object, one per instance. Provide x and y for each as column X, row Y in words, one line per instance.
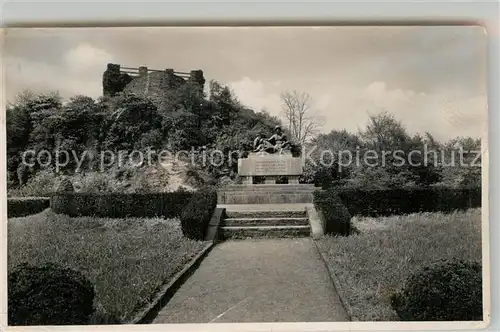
column 197, row 214
column 404, row 201
column 120, row 205
column 334, row 216
column 23, row 206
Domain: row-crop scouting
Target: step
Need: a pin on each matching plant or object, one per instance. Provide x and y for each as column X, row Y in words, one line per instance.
column 265, row 198
column 266, row 214
column 266, row 192
column 269, row 187
column 287, row 221
column 236, row 232
column 265, row 207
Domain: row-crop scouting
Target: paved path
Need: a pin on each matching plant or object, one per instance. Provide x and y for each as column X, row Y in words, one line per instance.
column 257, row 280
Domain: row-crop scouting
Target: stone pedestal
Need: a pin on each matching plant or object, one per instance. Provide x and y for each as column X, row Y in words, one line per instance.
column 269, row 209
column 270, row 166
column 266, row 194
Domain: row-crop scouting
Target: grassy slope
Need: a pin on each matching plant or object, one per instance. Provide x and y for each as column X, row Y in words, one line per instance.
column 376, row 262
column 126, row 259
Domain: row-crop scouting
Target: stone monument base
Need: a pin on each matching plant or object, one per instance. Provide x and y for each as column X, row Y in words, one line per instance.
column 266, row 194
column 270, row 166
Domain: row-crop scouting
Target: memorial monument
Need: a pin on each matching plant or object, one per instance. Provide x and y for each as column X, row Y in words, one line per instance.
column 271, row 158
column 270, row 209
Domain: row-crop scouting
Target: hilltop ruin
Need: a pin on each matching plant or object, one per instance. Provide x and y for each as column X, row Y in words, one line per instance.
column 145, row 81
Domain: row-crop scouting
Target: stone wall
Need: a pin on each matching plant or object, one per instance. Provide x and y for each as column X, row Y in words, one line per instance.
column 113, row 80
column 147, row 82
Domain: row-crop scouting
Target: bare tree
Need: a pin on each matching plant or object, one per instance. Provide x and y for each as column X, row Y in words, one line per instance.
column 301, row 123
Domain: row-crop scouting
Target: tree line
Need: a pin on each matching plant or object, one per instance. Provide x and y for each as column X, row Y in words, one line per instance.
column 187, row 117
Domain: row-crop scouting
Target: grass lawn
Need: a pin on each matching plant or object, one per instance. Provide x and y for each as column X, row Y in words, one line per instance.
column 126, row 259
column 373, row 264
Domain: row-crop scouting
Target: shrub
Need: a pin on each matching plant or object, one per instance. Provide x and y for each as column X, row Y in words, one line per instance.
column 40, row 184
column 20, row 207
column 49, row 295
column 385, row 202
column 120, row 205
column 335, row 216
column 94, row 182
column 442, row 291
column 197, row 213
column 65, row 185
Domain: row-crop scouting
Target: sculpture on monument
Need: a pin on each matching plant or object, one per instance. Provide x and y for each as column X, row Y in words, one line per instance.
column 278, row 143
column 272, row 158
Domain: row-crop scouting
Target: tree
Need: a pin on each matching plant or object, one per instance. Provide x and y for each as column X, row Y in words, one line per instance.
column 128, row 119
column 296, row 108
column 384, row 132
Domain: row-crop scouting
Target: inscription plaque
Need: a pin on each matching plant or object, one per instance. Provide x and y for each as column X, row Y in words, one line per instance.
column 270, row 165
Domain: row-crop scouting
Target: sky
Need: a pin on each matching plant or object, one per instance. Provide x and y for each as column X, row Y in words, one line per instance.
column 433, row 79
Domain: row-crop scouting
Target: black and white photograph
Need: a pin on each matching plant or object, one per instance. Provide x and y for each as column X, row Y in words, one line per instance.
column 246, row 174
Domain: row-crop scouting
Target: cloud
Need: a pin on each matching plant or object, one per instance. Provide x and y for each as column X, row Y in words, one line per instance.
column 78, row 73
column 86, row 58
column 432, row 78
column 445, row 113
column 257, row 95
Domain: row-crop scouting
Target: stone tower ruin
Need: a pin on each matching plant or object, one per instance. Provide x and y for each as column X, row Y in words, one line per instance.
column 144, row 81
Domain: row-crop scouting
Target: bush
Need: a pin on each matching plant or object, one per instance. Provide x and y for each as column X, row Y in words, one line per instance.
column 40, row 184
column 49, row 295
column 385, row 202
column 335, row 216
column 197, row 214
column 65, row 185
column 442, row 291
column 120, row 205
column 20, row 207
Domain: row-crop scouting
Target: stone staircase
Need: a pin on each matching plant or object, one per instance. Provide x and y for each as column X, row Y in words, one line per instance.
column 266, row 194
column 278, row 220
column 265, row 210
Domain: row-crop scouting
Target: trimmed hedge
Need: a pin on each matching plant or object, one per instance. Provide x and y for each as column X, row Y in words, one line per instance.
column 120, row 205
column 405, row 201
column 334, row 215
column 442, row 291
column 197, row 214
column 49, row 295
column 24, row 206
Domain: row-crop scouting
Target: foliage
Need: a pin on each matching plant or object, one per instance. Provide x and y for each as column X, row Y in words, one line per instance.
column 375, row 263
column 442, row 291
column 197, row 214
column 128, row 120
column 49, row 295
column 383, row 202
column 42, row 183
column 400, row 160
column 20, row 207
column 65, row 186
column 185, row 119
column 335, row 216
column 120, row 205
column 127, row 260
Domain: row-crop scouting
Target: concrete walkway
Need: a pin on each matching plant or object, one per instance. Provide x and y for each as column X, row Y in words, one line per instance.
column 257, row 280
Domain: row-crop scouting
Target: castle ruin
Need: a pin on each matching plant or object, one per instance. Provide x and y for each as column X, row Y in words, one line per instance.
column 145, row 81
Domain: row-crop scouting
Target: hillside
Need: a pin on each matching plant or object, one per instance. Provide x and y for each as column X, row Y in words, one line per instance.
column 84, row 139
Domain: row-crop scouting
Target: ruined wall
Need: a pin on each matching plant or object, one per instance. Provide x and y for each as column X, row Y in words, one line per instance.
column 150, row 83
column 114, row 81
